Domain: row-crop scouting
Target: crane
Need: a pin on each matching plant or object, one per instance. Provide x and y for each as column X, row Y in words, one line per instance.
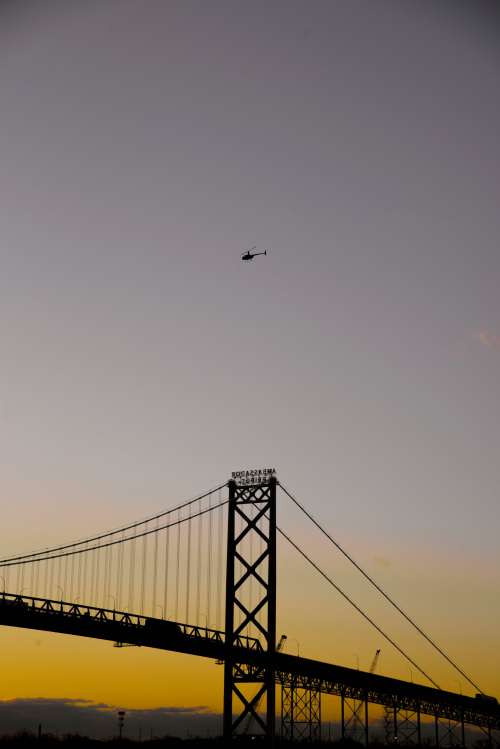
column 357, row 706
column 374, row 661
column 281, row 644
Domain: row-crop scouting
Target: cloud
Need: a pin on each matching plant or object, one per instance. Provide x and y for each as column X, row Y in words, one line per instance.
column 78, row 715
column 489, row 339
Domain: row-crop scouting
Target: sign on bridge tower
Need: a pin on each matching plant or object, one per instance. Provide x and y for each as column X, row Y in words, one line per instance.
column 251, row 603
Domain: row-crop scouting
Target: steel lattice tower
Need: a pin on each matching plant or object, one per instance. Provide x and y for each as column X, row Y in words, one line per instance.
column 250, row 605
column 300, row 712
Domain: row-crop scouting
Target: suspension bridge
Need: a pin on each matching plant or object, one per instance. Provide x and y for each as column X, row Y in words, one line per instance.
column 200, row 579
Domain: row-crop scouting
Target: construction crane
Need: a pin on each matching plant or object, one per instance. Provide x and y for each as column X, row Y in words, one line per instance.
column 281, row 644
column 359, row 705
column 374, row 661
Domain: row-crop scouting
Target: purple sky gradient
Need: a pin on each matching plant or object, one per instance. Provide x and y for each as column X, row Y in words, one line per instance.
column 143, row 147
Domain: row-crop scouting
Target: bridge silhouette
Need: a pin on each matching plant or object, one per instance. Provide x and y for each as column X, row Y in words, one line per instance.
column 213, row 558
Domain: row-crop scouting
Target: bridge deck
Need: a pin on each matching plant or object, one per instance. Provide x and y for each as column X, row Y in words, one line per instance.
column 106, row 624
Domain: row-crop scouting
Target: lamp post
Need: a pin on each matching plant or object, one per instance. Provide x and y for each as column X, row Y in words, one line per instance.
column 62, row 592
column 294, row 639
column 121, row 719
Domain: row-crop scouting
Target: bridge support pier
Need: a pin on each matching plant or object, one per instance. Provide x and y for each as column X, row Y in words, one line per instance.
column 452, row 733
column 250, row 608
column 402, row 726
column 492, row 737
column 300, row 711
column 354, row 719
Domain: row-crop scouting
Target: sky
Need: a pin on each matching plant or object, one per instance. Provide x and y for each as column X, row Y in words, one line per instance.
column 143, row 148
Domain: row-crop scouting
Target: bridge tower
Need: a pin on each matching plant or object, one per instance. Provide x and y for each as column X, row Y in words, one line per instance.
column 251, row 604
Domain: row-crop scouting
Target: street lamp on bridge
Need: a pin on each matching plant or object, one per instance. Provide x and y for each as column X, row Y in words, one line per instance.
column 121, row 720
column 113, row 599
column 294, row 639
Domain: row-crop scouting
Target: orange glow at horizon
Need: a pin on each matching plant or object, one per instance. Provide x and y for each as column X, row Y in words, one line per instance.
column 318, row 624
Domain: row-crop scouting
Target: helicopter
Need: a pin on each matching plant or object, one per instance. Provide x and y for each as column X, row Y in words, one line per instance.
column 250, row 254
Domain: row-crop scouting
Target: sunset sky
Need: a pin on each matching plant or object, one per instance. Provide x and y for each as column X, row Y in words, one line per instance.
column 143, row 147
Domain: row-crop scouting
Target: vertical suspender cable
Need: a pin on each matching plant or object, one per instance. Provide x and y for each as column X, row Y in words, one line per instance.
column 79, row 577
column 131, row 579
column 198, row 565
column 34, row 586
column 72, row 577
column 97, row 575
column 111, row 576
column 178, row 566
column 209, row 562
column 155, row 571
column 143, row 577
column 59, row 575
column 85, row 556
column 119, row 573
column 93, row 578
column 64, row 593
column 36, row 591
column 51, row 564
column 45, row 579
column 188, row 566
column 106, row 578
column 32, row 578
column 165, row 579
column 219, row 564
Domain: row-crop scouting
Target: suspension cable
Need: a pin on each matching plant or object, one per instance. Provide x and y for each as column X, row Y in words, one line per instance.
column 51, row 550
column 30, row 560
column 354, row 605
column 381, row 590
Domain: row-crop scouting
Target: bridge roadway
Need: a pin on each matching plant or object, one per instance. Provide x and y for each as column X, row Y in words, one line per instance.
column 133, row 629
